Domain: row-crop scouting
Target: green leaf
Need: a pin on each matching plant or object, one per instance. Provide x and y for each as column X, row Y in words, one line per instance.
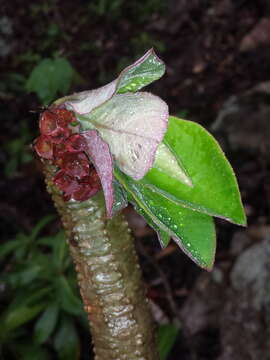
column 120, row 197
column 35, row 353
column 25, row 350
column 215, row 190
column 143, row 72
column 8, row 247
column 166, row 337
column 60, row 251
column 49, row 77
column 194, row 232
column 68, row 300
column 166, row 162
column 46, row 324
column 163, row 236
column 35, row 296
column 24, row 275
column 66, row 340
column 21, row 315
column 40, row 225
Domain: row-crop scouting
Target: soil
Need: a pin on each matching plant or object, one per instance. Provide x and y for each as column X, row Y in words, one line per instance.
column 214, row 50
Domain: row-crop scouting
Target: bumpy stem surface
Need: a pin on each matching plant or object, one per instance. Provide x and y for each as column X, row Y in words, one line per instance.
column 109, row 278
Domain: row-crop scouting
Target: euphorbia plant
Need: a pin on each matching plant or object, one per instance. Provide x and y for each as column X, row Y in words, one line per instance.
column 123, row 142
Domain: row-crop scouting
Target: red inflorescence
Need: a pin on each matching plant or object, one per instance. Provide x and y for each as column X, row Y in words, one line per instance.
column 76, row 177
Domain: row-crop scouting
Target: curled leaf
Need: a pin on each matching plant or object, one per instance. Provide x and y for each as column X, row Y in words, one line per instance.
column 133, row 125
column 134, row 77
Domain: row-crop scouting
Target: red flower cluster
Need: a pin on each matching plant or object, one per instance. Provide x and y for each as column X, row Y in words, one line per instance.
column 76, row 177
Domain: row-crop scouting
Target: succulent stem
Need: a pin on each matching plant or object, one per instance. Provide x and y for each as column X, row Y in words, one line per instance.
column 109, row 277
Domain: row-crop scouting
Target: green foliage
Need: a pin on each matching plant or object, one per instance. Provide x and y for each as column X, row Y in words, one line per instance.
column 166, row 337
column 18, row 151
column 51, row 77
column 138, row 11
column 41, row 297
column 12, row 82
column 108, row 8
column 193, row 231
column 182, row 208
column 215, row 191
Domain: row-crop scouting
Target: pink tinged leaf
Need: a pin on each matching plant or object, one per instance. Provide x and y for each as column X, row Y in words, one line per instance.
column 99, row 153
column 139, row 74
column 84, row 102
column 133, row 124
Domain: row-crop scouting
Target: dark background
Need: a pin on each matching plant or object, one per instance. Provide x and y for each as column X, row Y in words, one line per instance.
column 217, row 55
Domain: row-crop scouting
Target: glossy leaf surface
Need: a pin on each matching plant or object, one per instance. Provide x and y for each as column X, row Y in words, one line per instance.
column 194, row 232
column 120, row 197
column 143, row 72
column 215, row 190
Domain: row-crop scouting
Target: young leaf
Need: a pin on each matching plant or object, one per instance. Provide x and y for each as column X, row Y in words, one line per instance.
column 143, row 72
column 132, row 125
column 194, row 232
column 215, row 190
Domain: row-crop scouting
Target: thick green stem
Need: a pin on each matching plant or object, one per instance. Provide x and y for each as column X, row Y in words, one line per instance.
column 109, row 278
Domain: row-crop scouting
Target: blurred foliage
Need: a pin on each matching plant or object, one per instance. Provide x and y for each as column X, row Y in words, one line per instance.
column 39, row 297
column 18, row 151
column 114, row 9
column 166, row 337
column 51, row 77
